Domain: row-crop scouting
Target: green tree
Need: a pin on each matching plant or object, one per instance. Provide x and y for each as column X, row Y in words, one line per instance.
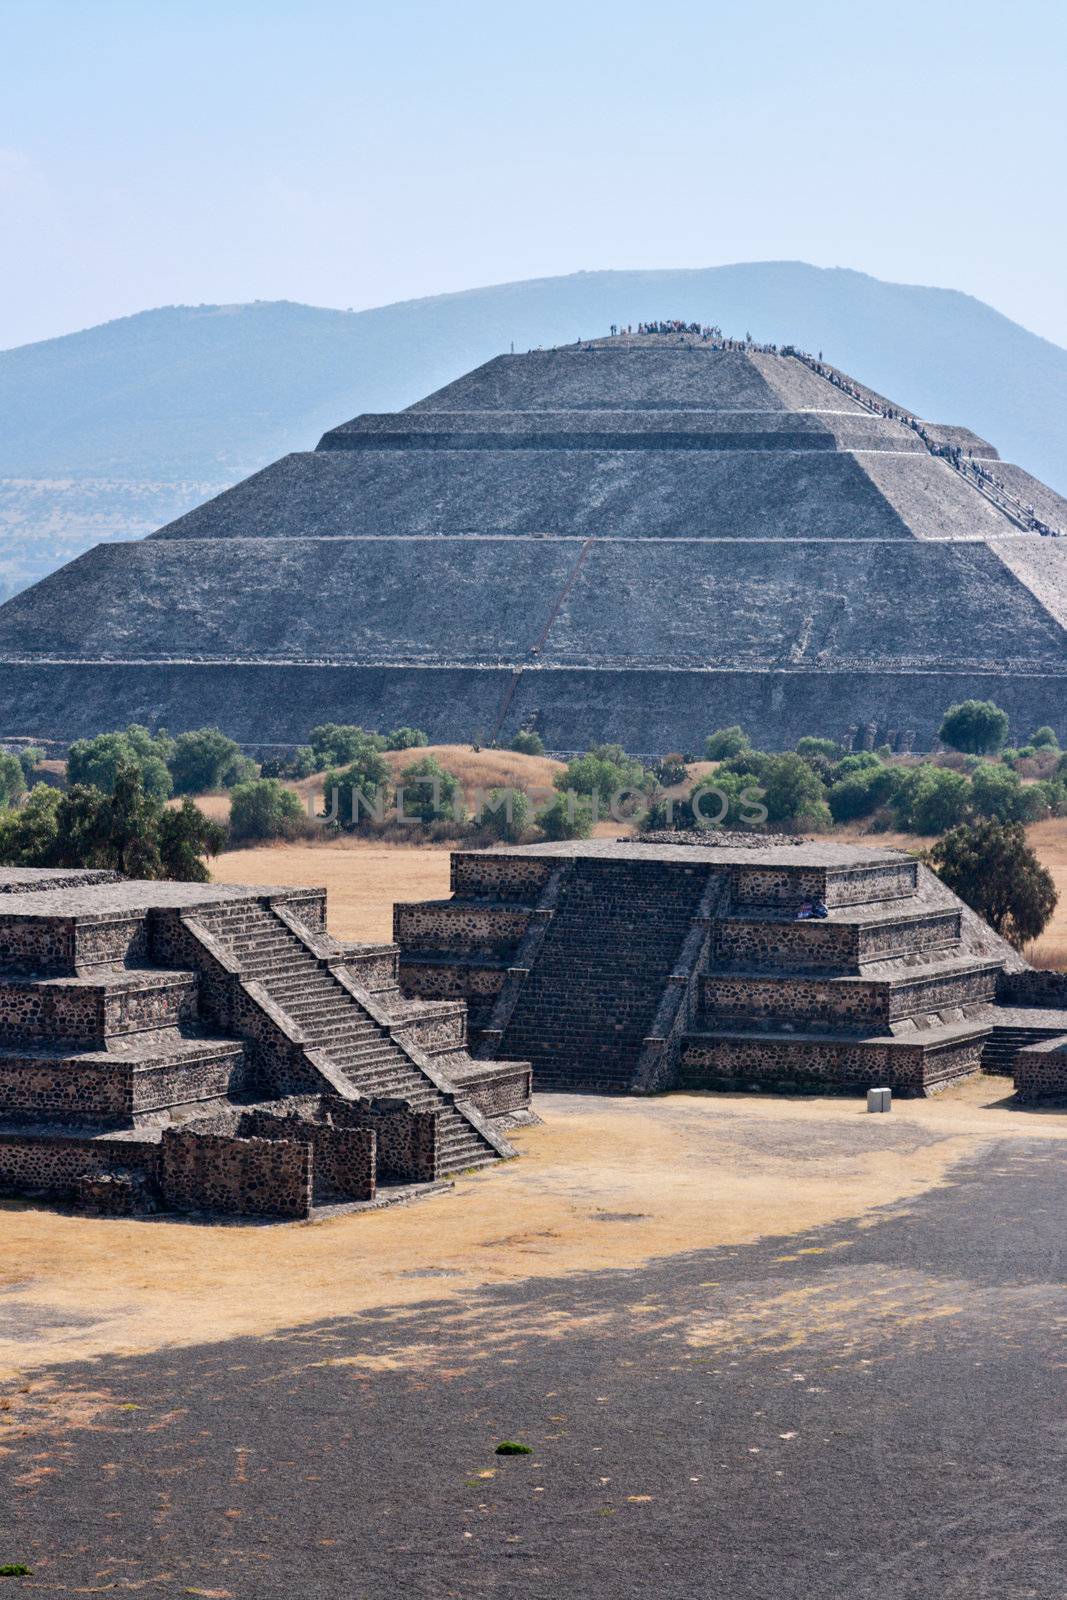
column 997, row 793
column 206, row 759
column 725, row 742
column 996, row 872
column 860, row 792
column 28, row 760
column 1044, row 739
column 857, row 761
column 28, row 833
column 431, row 792
column 342, row 744
column 505, row 814
column 97, row 761
column 361, row 792
column 930, row 799
column 793, row 793
column 405, row 739
column 528, row 743
column 809, row 746
column 185, row 837
column 569, row 816
column 977, row 727
column 264, row 808
column 12, row 779
column 604, row 770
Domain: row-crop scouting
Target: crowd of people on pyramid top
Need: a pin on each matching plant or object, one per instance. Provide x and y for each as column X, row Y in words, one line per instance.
column 706, row 333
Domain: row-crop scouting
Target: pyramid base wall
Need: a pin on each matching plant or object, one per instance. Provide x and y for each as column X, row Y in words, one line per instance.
column 647, row 710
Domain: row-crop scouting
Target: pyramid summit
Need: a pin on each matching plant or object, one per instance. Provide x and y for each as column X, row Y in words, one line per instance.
column 635, row 538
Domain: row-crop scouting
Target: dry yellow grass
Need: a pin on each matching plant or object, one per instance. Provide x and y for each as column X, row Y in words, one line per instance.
column 363, row 880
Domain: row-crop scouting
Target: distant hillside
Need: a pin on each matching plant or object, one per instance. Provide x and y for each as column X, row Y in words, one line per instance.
column 110, row 432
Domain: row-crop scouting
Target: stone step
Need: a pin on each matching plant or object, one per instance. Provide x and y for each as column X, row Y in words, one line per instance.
column 739, row 1058
column 767, row 997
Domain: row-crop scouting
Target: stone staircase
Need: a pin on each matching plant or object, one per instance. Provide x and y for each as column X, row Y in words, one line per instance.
column 601, row 963
column 336, row 1024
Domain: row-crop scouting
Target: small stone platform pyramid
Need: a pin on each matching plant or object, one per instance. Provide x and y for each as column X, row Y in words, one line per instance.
column 635, row 967
column 207, row 1047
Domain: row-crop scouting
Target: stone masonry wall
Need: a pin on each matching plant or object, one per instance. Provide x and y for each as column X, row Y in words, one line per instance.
column 1040, row 1070
column 459, row 925
column 52, row 1166
column 500, row 877
column 60, row 1009
column 244, row 1177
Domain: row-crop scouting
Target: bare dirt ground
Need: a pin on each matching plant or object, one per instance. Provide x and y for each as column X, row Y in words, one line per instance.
column 677, row 1174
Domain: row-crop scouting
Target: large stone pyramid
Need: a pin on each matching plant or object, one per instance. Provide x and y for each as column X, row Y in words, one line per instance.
column 637, row 538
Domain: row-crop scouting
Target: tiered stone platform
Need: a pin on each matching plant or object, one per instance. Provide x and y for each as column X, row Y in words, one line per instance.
column 206, row 1047
column 634, row 967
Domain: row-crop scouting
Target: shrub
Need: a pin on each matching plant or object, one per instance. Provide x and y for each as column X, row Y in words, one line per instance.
column 978, row 727
column 28, row 760
column 725, row 742
column 341, row 744
column 996, row 793
column 431, row 792
column 793, row 793
column 860, row 792
column 996, row 872
column 722, row 800
column 1044, row 739
column 185, row 837
column 28, row 833
column 930, row 799
column 300, row 764
column 97, row 761
column 857, row 761
column 405, row 739
column 671, row 770
column 528, row 743
column 603, row 771
column 12, row 779
column 505, row 815
column 509, row 1448
column 264, row 808
column 363, row 790
column 809, row 746
column 127, row 831
column 206, row 759
column 569, row 816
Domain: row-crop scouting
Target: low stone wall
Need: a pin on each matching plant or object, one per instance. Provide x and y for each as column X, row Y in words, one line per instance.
column 343, row 1162
column 1040, row 1070
column 446, row 980
column 500, row 877
column 459, row 926
column 496, row 1088
column 406, row 1140
column 52, row 1166
column 241, row 1177
column 1032, row 987
column 806, row 1066
column 434, row 1030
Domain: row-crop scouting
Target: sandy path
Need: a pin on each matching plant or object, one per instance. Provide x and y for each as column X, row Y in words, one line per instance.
column 684, row 1172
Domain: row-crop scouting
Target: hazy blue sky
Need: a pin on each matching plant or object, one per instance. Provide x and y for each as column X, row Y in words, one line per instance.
column 350, row 155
